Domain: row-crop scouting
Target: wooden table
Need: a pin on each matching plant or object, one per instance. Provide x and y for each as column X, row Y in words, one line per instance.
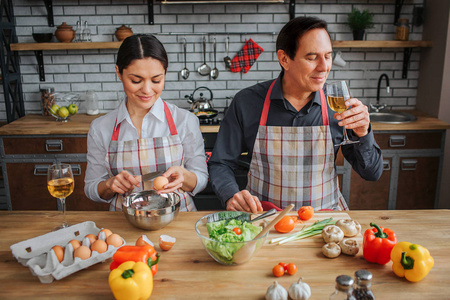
column 188, row 272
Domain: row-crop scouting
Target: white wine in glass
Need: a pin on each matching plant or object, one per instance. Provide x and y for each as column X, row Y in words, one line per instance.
column 60, row 184
column 337, row 94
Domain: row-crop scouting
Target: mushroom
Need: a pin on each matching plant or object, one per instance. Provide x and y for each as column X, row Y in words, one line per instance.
column 349, row 227
column 349, row 246
column 332, row 234
column 331, row 250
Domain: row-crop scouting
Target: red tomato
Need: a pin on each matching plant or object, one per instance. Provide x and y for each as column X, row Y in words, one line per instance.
column 278, row 271
column 286, row 224
column 284, row 265
column 291, row 269
column 237, row 230
column 305, row 213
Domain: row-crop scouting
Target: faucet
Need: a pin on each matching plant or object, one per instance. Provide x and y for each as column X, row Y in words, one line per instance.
column 377, row 107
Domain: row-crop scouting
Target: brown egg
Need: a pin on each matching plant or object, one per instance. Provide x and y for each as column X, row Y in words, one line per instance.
column 59, row 252
column 92, row 237
column 166, row 242
column 106, row 231
column 159, row 182
column 144, row 240
column 75, row 244
column 115, row 240
column 100, row 246
column 82, row 252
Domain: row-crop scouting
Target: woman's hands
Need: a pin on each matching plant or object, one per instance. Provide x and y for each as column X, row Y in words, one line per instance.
column 178, row 178
column 356, row 118
column 244, row 201
column 122, row 183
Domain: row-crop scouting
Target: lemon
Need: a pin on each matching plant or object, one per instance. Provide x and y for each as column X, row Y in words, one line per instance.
column 54, row 109
column 63, row 112
column 73, row 109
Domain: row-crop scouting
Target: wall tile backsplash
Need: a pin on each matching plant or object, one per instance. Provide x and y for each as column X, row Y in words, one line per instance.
column 82, row 70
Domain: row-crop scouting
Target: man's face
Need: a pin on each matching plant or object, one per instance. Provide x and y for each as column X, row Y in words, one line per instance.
column 312, row 63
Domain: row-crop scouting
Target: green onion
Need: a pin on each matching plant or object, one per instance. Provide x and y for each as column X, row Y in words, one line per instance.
column 305, row 232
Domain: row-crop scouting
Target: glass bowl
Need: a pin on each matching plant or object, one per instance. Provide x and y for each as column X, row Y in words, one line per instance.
column 222, row 252
column 65, row 100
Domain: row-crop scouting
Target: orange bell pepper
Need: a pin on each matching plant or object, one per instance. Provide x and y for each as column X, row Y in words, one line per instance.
column 378, row 243
column 146, row 254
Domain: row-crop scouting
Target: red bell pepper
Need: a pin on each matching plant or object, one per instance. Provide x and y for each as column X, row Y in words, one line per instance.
column 378, row 243
column 146, row 254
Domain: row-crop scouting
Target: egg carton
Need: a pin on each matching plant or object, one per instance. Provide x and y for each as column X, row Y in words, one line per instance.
column 38, row 255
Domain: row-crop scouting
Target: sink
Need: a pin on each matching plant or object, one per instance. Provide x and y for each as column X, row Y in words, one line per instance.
column 392, row 117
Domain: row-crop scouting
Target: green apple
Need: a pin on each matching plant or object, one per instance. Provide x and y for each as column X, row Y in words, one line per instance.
column 63, row 112
column 73, row 109
column 54, row 109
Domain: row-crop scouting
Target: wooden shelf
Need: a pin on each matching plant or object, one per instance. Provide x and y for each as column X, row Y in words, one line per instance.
column 116, row 45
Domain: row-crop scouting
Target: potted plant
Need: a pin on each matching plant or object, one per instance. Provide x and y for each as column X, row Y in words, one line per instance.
column 359, row 21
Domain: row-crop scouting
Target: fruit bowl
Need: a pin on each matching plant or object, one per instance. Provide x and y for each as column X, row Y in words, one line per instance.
column 64, row 106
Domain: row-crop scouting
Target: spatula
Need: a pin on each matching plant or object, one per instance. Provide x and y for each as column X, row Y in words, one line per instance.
column 245, row 252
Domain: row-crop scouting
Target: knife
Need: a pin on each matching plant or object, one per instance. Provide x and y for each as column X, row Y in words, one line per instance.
column 151, row 175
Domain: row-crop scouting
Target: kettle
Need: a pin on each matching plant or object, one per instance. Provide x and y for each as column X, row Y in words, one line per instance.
column 201, row 103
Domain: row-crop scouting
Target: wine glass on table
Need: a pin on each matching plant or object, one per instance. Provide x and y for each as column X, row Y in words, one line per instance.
column 337, row 94
column 60, row 184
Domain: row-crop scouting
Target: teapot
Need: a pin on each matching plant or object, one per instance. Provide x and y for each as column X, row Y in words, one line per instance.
column 201, row 103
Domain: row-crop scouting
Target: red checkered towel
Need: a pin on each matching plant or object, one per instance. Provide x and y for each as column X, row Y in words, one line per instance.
column 246, row 57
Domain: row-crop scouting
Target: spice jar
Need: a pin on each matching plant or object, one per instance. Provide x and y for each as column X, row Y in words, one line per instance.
column 47, row 100
column 64, row 33
column 123, row 32
column 362, row 290
column 402, row 31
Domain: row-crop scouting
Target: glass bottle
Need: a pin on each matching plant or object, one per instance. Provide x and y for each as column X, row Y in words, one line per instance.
column 78, row 33
column 402, row 30
column 91, row 103
column 362, row 290
column 86, row 32
column 344, row 288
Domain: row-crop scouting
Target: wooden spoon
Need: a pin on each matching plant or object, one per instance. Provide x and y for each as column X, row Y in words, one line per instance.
column 245, row 252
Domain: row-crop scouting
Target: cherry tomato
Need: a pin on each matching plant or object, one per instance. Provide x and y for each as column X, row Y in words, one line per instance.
column 291, row 269
column 237, row 230
column 278, row 271
column 305, row 212
column 286, row 224
column 284, row 265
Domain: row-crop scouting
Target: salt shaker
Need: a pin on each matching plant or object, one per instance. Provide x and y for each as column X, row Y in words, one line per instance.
column 362, row 290
column 344, row 288
column 92, row 103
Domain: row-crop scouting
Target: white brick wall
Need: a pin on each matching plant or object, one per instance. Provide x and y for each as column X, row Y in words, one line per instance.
column 78, row 71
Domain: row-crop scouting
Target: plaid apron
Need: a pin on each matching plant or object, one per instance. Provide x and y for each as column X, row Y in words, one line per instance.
column 142, row 156
column 295, row 164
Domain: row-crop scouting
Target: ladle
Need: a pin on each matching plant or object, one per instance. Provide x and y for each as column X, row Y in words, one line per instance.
column 215, row 71
column 185, row 72
column 204, row 69
column 227, row 59
column 245, row 252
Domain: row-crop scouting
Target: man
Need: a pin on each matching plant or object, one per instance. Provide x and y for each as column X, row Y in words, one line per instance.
column 289, row 131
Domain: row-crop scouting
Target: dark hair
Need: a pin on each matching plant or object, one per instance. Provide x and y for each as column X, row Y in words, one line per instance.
column 141, row 46
column 291, row 33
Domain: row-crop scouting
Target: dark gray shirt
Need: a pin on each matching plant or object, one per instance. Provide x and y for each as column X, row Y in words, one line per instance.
column 237, row 134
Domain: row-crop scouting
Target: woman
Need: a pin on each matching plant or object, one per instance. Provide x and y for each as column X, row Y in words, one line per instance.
column 144, row 134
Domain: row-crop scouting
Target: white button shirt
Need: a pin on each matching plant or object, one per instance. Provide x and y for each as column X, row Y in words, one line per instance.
column 154, row 125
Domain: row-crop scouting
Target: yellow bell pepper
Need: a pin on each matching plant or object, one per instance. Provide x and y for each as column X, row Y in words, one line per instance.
column 411, row 261
column 131, row 281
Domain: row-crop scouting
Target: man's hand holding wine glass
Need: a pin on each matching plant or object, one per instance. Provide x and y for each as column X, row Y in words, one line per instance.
column 355, row 118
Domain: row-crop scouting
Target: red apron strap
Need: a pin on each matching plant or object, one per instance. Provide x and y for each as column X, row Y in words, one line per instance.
column 265, row 112
column 172, row 127
column 323, row 103
column 115, row 135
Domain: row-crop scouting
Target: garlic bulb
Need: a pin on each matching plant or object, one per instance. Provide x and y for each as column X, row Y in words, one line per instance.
column 299, row 290
column 276, row 292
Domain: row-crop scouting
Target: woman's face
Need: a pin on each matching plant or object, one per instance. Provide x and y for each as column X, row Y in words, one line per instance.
column 143, row 82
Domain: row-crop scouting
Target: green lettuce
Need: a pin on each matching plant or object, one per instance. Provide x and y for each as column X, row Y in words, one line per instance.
column 222, row 231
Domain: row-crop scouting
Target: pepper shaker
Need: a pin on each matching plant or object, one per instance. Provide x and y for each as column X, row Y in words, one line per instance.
column 362, row 290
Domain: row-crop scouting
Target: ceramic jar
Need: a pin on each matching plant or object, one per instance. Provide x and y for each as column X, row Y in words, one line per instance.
column 64, row 33
column 123, row 32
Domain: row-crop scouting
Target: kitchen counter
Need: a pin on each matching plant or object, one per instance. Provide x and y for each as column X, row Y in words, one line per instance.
column 188, row 272
column 79, row 124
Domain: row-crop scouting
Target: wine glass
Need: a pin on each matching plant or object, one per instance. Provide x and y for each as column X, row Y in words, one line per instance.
column 337, row 94
column 60, row 184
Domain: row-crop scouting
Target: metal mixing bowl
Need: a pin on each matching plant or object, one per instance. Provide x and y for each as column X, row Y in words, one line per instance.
column 150, row 210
